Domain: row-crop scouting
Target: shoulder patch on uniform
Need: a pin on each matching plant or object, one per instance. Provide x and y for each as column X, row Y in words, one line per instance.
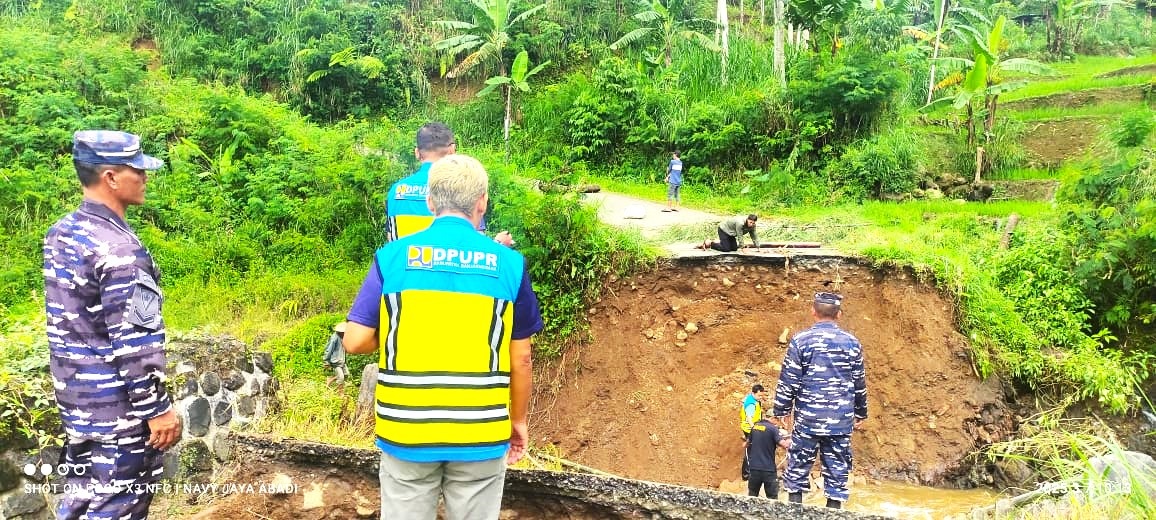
column 144, row 309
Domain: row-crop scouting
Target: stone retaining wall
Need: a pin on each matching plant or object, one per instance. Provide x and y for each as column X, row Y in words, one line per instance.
column 217, row 384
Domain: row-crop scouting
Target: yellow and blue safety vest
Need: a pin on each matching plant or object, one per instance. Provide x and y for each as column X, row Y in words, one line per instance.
column 745, row 422
column 443, row 388
column 406, row 210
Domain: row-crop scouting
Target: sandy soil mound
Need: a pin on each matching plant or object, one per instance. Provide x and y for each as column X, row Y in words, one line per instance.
column 655, row 395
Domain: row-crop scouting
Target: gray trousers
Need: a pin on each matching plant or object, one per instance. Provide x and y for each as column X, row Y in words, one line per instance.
column 472, row 490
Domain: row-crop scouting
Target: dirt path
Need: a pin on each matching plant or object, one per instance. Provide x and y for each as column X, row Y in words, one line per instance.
column 621, row 210
column 648, row 218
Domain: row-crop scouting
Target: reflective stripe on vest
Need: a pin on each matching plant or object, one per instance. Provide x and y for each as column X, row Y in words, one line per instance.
column 443, row 387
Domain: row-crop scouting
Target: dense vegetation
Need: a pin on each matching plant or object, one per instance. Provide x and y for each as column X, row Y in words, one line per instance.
column 283, row 122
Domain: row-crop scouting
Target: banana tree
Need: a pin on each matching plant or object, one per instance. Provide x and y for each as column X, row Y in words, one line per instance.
column 981, row 79
column 517, row 80
column 659, row 22
column 947, row 19
column 485, row 39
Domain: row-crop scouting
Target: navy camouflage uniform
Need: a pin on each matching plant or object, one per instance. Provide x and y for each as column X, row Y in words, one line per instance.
column 106, row 339
column 824, row 382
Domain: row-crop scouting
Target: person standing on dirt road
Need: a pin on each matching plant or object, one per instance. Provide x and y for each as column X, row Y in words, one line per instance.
column 451, row 399
column 106, row 336
column 749, row 414
column 765, row 438
column 673, row 182
column 824, row 382
column 405, row 209
column 731, row 231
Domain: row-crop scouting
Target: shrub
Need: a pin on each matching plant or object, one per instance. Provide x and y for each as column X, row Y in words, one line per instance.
column 887, row 163
column 1133, row 128
column 851, row 89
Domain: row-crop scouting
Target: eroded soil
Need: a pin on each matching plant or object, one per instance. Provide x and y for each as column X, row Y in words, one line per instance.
column 643, row 401
column 1078, row 98
column 1050, row 143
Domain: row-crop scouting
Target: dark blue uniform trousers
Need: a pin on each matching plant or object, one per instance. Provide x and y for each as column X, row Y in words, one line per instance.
column 109, row 481
column 835, row 454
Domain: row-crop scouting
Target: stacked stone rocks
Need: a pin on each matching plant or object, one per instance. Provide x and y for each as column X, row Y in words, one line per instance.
column 17, row 501
column 218, row 384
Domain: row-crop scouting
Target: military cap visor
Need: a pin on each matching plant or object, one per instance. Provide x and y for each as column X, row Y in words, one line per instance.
column 112, row 148
column 828, row 298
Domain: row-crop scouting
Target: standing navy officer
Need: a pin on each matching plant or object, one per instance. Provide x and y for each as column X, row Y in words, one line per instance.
column 106, row 336
column 824, row 382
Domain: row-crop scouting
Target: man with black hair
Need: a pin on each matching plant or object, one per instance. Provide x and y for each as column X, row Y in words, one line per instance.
column 406, row 210
column 823, row 381
column 731, row 231
column 764, row 440
column 749, row 414
column 106, row 336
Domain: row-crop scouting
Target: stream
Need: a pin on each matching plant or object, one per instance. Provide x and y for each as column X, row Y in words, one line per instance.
column 909, row 501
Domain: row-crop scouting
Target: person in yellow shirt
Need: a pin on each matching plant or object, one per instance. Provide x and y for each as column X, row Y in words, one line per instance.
column 750, row 413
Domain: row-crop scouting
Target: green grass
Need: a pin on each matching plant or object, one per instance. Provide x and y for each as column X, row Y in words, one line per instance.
column 1103, row 110
column 1080, row 75
column 1045, row 88
column 1023, row 174
column 311, row 411
column 261, row 306
column 1088, row 66
column 1062, row 449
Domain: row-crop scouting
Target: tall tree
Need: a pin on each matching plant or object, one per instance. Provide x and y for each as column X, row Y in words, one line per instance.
column 780, row 54
column 822, row 18
column 485, row 39
column 1067, row 20
column 661, row 21
column 724, row 37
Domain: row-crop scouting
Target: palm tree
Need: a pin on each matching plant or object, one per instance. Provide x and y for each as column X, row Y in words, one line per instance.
column 485, row 40
column 659, row 22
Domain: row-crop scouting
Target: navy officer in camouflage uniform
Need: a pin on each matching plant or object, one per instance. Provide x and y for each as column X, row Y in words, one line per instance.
column 824, row 383
column 106, row 336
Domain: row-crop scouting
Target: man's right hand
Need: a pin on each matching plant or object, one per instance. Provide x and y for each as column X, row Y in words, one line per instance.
column 519, row 439
column 165, row 430
column 504, row 238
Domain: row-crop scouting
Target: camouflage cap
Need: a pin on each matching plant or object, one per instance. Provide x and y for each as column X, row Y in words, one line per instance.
column 828, row 298
column 111, row 147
